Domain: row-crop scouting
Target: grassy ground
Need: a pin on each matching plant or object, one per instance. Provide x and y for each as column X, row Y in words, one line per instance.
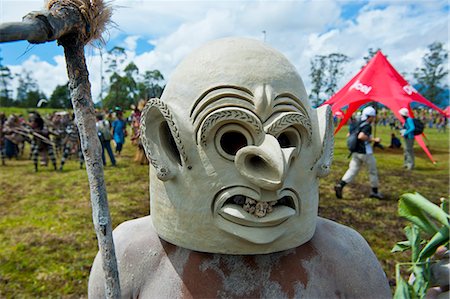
column 48, row 242
column 46, row 233
column 375, row 219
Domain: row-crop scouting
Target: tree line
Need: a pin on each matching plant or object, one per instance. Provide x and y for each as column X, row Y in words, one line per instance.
column 127, row 85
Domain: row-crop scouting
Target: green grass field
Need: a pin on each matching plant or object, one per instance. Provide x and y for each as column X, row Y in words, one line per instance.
column 48, row 241
column 24, row 111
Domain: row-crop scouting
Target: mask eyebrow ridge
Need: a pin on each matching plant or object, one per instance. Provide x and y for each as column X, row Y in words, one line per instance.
column 289, row 99
column 229, row 113
column 217, row 93
column 287, row 119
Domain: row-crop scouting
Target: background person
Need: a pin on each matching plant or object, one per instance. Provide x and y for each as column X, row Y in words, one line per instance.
column 442, row 124
column 135, row 139
column 11, row 139
column 408, row 134
column 71, row 144
column 395, row 142
column 119, row 131
column 104, row 134
column 40, row 144
column 363, row 155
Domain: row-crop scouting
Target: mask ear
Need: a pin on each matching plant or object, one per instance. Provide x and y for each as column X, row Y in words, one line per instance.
column 326, row 129
column 161, row 140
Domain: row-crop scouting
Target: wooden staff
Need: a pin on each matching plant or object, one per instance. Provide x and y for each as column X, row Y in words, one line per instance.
column 27, row 133
column 75, row 23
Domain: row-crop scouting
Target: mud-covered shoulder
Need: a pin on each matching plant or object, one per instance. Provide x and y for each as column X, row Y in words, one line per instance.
column 138, row 252
column 137, row 233
column 328, row 230
column 357, row 268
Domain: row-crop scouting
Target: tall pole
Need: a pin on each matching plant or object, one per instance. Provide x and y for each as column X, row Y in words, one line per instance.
column 101, row 75
column 376, row 119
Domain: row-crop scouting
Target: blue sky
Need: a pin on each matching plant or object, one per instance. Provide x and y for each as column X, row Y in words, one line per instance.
column 158, row 34
column 18, row 52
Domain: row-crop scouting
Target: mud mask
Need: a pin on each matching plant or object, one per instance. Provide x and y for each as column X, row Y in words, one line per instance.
column 236, row 152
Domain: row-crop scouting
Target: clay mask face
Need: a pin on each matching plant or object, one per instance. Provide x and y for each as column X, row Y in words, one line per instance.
column 236, row 151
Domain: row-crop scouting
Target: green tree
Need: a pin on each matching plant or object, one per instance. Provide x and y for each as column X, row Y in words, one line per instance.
column 431, row 75
column 28, row 94
column 114, row 58
column 60, row 97
column 370, row 54
column 123, row 90
column 33, row 97
column 335, row 71
column 130, row 82
column 325, row 74
column 6, row 99
column 317, row 75
column 151, row 85
column 116, row 94
column 126, row 85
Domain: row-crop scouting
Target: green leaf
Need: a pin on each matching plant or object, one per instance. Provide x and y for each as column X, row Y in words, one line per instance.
column 402, row 289
column 401, row 246
column 440, row 238
column 430, row 208
column 415, row 208
column 422, row 278
column 412, row 233
column 444, row 204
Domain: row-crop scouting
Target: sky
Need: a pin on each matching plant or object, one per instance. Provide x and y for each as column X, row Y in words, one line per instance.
column 158, row 34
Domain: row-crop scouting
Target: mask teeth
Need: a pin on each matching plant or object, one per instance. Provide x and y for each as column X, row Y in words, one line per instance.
column 239, row 200
column 258, row 208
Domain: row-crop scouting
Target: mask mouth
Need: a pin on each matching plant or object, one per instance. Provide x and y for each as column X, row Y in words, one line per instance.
column 244, row 206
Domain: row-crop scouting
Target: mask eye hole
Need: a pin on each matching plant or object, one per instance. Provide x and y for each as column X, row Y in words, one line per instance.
column 230, row 139
column 289, row 138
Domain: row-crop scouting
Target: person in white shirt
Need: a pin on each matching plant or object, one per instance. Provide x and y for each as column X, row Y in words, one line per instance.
column 363, row 155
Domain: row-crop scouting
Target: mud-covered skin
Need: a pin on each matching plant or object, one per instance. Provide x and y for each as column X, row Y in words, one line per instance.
column 335, row 263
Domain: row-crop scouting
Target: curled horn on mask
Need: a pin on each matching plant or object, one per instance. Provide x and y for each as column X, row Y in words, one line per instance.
column 326, row 130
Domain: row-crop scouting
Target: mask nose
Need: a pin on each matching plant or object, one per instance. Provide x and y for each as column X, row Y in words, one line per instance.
column 265, row 165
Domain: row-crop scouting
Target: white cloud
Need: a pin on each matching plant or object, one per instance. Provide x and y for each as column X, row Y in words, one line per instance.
column 46, row 74
column 400, row 31
column 285, row 24
column 14, row 11
column 299, row 29
column 131, row 42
